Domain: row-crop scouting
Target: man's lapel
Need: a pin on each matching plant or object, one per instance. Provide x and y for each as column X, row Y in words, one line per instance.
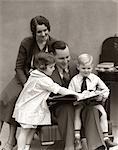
column 56, row 77
column 72, row 69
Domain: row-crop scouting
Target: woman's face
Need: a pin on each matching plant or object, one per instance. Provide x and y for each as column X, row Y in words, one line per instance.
column 42, row 33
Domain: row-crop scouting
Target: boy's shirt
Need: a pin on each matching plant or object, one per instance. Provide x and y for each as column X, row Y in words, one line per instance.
column 93, row 82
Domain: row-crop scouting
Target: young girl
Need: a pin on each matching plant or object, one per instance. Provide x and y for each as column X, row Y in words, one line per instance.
column 31, row 108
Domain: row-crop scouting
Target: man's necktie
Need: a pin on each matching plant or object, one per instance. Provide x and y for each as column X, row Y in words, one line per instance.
column 84, row 85
column 66, row 78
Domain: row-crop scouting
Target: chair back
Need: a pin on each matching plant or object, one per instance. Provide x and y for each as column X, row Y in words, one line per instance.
column 109, row 50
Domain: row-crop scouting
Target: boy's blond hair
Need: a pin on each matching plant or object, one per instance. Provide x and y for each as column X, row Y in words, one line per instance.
column 85, row 59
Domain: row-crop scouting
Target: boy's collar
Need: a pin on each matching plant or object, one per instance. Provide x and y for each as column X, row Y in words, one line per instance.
column 88, row 77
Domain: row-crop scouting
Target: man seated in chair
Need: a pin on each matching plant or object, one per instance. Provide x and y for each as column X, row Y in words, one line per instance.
column 64, row 112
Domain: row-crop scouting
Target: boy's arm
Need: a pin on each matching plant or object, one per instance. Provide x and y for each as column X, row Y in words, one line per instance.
column 102, row 89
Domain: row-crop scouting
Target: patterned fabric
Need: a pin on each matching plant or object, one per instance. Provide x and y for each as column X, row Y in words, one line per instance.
column 66, row 78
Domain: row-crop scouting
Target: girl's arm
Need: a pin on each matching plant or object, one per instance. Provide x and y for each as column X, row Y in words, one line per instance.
column 65, row 91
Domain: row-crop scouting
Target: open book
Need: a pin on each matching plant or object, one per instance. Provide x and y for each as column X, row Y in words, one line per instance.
column 72, row 98
column 91, row 97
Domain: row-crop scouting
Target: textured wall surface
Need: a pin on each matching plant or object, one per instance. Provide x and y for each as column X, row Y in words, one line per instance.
column 83, row 24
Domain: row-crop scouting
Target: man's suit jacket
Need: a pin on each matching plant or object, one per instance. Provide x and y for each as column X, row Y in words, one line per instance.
column 56, row 78
column 72, row 72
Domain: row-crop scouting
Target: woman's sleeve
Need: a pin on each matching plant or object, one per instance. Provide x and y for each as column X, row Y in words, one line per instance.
column 20, row 64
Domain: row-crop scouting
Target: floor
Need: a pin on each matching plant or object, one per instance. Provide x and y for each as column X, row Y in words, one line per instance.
column 36, row 144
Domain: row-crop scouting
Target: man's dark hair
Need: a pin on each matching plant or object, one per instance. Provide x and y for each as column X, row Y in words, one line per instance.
column 38, row 20
column 61, row 45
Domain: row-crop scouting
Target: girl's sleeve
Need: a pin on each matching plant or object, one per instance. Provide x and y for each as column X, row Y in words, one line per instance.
column 47, row 83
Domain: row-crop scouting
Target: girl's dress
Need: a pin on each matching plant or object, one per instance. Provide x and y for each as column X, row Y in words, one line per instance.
column 31, row 107
column 8, row 97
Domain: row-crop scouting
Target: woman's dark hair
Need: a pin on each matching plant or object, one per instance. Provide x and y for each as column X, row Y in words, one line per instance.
column 58, row 45
column 42, row 59
column 38, row 20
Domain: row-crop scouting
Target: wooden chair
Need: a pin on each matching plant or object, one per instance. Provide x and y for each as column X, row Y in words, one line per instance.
column 109, row 53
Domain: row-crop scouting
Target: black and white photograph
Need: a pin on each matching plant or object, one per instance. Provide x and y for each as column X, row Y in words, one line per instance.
column 58, row 74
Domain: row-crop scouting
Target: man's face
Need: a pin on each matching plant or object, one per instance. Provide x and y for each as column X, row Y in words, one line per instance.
column 42, row 33
column 62, row 58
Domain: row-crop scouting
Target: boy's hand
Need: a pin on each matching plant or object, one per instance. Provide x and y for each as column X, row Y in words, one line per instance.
column 86, row 93
column 100, row 97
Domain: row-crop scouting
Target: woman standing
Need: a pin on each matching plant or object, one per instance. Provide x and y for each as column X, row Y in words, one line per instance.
column 30, row 46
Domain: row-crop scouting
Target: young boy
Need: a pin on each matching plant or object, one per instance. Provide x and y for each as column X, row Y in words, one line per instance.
column 87, row 83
